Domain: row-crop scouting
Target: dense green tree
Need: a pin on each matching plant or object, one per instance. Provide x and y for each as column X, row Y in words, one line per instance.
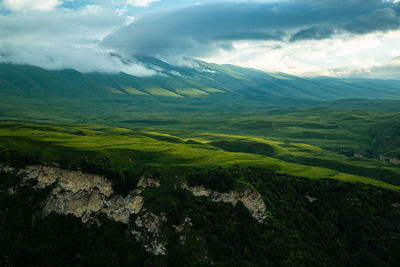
column 311, row 223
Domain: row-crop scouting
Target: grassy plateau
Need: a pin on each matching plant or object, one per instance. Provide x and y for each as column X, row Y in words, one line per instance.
column 155, row 150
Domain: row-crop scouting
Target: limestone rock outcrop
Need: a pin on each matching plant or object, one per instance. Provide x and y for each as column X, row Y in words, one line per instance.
column 83, row 195
column 86, row 195
column 252, row 200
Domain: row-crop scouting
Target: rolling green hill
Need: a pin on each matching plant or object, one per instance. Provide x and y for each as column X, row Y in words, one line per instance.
column 138, row 149
column 222, row 99
column 200, row 81
column 219, row 99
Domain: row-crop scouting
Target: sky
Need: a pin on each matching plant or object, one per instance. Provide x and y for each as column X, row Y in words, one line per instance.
column 341, row 38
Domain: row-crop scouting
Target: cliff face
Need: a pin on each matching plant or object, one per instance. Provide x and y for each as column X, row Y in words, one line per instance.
column 394, row 161
column 252, row 200
column 85, row 195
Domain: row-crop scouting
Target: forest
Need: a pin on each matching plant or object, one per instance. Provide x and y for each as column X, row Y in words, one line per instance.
column 311, row 223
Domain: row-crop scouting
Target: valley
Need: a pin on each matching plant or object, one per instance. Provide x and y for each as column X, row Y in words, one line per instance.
column 167, row 133
column 224, row 166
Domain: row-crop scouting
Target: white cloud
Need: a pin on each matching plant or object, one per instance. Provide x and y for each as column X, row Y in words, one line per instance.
column 59, row 27
column 24, row 5
column 346, row 56
column 63, row 38
column 82, row 59
column 395, row 53
column 142, row 3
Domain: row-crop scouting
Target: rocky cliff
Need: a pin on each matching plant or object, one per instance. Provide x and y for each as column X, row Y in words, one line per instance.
column 85, row 195
column 394, row 161
column 252, row 200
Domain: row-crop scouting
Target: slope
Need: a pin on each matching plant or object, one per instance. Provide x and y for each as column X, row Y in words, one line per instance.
column 202, row 80
column 145, row 150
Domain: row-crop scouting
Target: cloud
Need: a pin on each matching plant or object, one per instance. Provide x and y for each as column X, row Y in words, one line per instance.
column 195, row 31
column 205, row 29
column 305, row 37
column 313, row 33
column 346, row 56
column 20, row 5
column 248, row 35
column 383, row 19
column 389, row 71
column 142, row 3
column 82, row 59
column 61, row 26
column 63, row 39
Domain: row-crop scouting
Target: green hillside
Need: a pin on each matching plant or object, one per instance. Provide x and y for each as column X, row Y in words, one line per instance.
column 212, row 103
column 203, row 80
column 138, row 150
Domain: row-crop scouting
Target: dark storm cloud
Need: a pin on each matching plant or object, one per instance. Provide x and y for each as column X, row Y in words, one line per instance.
column 315, row 33
column 203, row 29
column 383, row 19
column 248, row 35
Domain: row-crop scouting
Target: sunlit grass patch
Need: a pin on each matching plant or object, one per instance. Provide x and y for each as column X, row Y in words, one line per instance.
column 158, row 91
column 160, row 150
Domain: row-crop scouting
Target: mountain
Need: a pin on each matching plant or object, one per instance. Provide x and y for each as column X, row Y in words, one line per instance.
column 202, row 80
column 350, row 116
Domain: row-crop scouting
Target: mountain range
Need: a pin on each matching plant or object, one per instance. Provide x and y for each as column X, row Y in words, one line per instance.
column 200, row 80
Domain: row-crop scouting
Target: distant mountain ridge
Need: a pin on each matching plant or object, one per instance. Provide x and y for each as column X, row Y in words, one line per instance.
column 201, row 81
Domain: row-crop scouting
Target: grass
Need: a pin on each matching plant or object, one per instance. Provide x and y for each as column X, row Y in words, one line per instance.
column 367, row 132
column 115, row 91
column 133, row 91
column 213, row 90
column 191, row 92
column 50, row 142
column 158, row 91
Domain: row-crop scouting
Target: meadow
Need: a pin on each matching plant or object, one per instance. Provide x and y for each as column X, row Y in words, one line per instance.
column 150, row 150
column 231, row 116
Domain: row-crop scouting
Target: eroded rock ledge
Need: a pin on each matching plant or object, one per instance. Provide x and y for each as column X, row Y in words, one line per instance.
column 252, row 200
column 85, row 195
column 394, row 161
